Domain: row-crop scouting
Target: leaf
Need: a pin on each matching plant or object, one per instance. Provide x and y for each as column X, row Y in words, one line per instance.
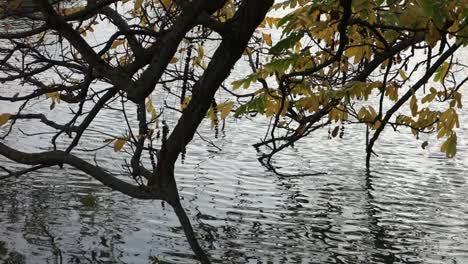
column 458, row 99
column 225, row 109
column 4, row 119
column 377, row 124
column 271, row 21
column 71, row 10
column 138, row 4
column 201, row 51
column 15, row 4
column 442, row 132
column 185, row 103
column 286, row 43
column 428, row 98
column 357, row 52
column 240, row 111
column 236, row 84
column 450, row 146
column 119, row 143
column 174, row 60
column 149, row 105
column 362, row 114
column 428, row 7
column 392, row 92
column 433, row 35
column 403, row 75
column 89, row 200
column 267, row 39
column 441, row 72
column 414, row 106
column 166, row 3
column 372, row 112
column 117, row 43
column 150, row 109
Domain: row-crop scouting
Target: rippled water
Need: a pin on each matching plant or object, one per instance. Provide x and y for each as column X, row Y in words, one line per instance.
column 412, row 208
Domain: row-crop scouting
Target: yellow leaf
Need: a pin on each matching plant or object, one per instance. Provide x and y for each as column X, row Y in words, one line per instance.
column 450, row 117
column 119, row 143
column 442, row 132
column 174, row 60
column 201, row 51
column 71, row 10
column 450, row 146
column 150, row 109
column 392, row 92
column 357, row 52
column 55, row 96
column 83, row 32
column 362, row 114
column 185, row 103
column 311, row 103
column 271, row 21
column 442, row 72
column 166, row 3
column 403, row 75
column 458, row 98
column 225, row 109
column 428, row 98
column 117, row 43
column 433, row 35
column 138, row 4
column 377, row 124
column 414, row 105
column 149, row 105
column 4, row 119
column 372, row 113
column 267, row 39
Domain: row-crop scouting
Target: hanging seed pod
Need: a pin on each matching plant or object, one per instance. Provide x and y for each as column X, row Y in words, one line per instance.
column 342, row 131
column 215, row 118
column 335, row 131
column 182, row 155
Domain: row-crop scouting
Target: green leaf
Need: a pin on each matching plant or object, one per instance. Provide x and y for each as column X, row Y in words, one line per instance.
column 428, row 7
column 286, row 43
column 441, row 72
column 89, row 200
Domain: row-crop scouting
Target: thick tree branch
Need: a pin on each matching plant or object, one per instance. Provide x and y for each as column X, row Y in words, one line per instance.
column 250, row 15
column 57, row 157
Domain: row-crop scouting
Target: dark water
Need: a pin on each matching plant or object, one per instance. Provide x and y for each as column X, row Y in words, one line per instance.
column 413, row 208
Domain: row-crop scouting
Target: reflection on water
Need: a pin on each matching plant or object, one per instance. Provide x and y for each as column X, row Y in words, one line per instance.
column 412, row 208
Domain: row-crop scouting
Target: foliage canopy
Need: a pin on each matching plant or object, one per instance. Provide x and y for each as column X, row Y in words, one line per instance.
column 313, row 64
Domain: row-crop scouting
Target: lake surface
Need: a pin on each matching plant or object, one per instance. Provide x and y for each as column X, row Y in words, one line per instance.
column 412, row 208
